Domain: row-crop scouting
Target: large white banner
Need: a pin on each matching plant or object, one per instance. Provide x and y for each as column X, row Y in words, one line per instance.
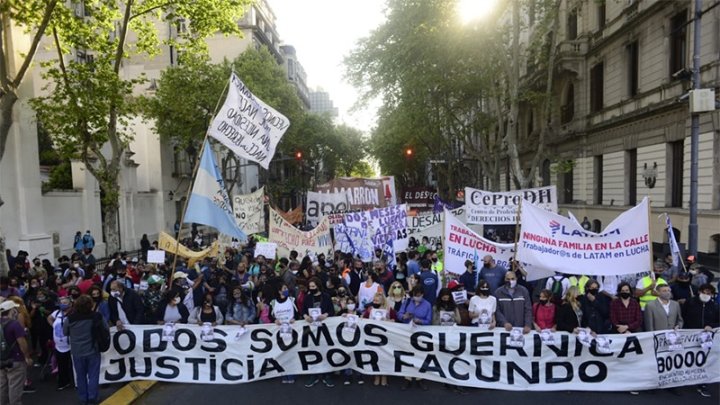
column 325, row 204
column 249, row 213
column 484, row 207
column 466, row 356
column 428, row 225
column 556, row 243
column 462, row 243
column 248, row 126
column 287, row 237
column 361, row 232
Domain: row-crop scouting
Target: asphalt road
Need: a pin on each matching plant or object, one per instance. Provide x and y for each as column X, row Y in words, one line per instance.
column 274, row 392
column 46, row 391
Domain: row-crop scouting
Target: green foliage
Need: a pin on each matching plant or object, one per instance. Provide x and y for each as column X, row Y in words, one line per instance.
column 60, row 178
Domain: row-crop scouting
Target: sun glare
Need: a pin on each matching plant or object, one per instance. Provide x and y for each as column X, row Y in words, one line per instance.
column 470, row 10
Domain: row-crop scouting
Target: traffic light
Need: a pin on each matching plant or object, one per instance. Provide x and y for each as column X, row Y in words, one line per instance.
column 298, row 155
column 408, row 152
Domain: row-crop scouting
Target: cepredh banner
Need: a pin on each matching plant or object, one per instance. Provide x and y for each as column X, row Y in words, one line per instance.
column 466, row 356
column 484, row 207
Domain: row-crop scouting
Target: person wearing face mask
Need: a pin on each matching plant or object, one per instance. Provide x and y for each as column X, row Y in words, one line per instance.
column 437, row 267
column 396, row 296
column 99, row 303
column 443, row 307
column 317, row 299
column 468, row 278
column 595, row 309
column 701, row 312
column 40, row 331
column 430, row 281
column 151, row 298
column 14, row 372
column 57, row 321
column 483, row 306
column 514, row 306
column 74, row 292
column 120, row 276
column 172, row 309
column 126, row 306
column 6, row 290
column 417, row 310
column 682, row 290
column 241, row 310
column 367, row 290
column 625, row 313
column 544, row 312
column 491, row 272
column 662, row 313
column 646, row 287
column 207, row 313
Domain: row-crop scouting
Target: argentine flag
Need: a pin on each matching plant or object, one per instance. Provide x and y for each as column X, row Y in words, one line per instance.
column 209, row 202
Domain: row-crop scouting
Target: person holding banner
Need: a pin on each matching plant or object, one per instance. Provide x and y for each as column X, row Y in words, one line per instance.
column 595, row 308
column 207, row 313
column 417, row 310
column 544, row 312
column 514, row 306
column 625, row 313
column 569, row 314
column 367, row 290
column 396, row 296
column 317, row 301
column 664, row 312
column 172, row 309
column 483, row 306
column 446, row 312
column 701, row 312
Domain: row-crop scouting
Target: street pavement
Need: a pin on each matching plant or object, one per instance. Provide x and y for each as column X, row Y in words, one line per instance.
column 46, row 392
column 274, row 392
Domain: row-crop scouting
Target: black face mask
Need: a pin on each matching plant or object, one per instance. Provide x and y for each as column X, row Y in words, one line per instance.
column 484, row 291
column 593, row 291
column 543, row 302
column 375, row 305
column 314, row 291
column 625, row 295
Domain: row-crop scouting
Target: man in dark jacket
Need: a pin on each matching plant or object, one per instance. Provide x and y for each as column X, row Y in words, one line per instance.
column 514, row 309
column 701, row 312
column 126, row 307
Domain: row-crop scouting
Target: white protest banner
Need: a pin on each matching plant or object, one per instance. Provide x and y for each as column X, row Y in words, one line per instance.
column 156, row 256
column 266, row 249
column 361, row 233
column 249, row 212
column 484, row 207
column 247, row 126
column 287, row 237
column 458, row 355
column 324, row 204
column 462, row 243
column 425, row 225
column 555, row 243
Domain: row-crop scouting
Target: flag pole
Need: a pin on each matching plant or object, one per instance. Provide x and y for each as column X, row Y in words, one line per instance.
column 517, row 235
column 652, row 262
column 192, row 183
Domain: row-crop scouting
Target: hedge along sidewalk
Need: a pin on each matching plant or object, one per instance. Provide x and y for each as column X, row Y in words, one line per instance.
column 129, row 393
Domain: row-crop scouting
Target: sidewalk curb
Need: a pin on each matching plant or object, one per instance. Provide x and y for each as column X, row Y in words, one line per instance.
column 129, row 393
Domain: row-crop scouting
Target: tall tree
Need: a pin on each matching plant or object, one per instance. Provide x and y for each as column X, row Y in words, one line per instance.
column 33, row 18
column 90, row 101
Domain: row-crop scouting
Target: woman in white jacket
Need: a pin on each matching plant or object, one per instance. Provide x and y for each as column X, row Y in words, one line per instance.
column 207, row 313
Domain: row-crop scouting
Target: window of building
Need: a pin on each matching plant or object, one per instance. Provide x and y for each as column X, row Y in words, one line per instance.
column 572, row 24
column 632, row 52
column 715, row 244
column 598, row 180
column 596, row 226
column 678, row 41
column 507, row 176
column 631, row 176
column 677, row 159
column 596, row 87
column 545, row 173
column 567, row 110
column 530, row 123
column 601, row 14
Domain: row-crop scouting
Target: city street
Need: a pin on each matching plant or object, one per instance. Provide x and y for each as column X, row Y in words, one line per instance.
column 274, row 392
column 46, row 391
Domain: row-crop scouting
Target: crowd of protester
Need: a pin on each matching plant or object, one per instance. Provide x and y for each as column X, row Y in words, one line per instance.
column 53, row 311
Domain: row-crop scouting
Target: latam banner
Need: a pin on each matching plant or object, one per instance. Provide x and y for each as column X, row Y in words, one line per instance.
column 465, row 356
column 289, row 238
column 484, row 207
column 361, row 233
column 462, row 243
column 247, row 126
column 249, row 213
column 325, row 204
column 556, row 243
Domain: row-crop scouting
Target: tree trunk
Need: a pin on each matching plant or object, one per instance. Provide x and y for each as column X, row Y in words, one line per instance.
column 110, row 228
column 4, row 266
column 7, row 102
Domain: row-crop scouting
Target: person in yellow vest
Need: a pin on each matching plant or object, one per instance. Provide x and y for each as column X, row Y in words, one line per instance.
column 645, row 287
column 437, row 266
column 579, row 282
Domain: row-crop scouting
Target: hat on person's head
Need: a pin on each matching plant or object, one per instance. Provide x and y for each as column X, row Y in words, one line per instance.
column 8, row 305
column 179, row 274
column 454, row 284
column 154, row 279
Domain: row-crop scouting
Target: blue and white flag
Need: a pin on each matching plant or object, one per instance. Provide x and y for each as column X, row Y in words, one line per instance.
column 209, row 202
column 674, row 248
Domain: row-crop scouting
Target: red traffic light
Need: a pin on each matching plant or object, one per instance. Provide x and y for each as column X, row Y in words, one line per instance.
column 298, row 155
column 408, row 152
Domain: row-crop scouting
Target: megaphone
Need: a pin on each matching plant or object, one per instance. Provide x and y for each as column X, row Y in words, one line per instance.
column 248, row 286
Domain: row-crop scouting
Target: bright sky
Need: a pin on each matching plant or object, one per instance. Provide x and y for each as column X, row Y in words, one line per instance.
column 323, row 32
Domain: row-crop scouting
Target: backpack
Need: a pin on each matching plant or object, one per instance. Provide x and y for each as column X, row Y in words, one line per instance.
column 100, row 335
column 6, row 360
column 557, row 289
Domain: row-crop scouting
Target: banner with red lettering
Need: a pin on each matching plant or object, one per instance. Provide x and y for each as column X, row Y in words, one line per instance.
column 484, row 207
column 462, row 243
column 555, row 243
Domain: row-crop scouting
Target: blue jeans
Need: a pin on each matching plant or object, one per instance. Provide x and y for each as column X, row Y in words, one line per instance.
column 87, row 372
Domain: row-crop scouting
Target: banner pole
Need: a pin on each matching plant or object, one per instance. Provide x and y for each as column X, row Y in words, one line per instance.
column 517, row 235
column 652, row 261
column 192, row 183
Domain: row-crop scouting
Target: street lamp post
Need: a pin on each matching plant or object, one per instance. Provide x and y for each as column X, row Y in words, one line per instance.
column 695, row 136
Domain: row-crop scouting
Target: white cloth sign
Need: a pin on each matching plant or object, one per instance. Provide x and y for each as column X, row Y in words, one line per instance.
column 466, row 356
column 462, row 243
column 555, row 243
column 322, row 204
column 287, row 237
column 249, row 213
column 484, row 207
column 361, row 232
column 267, row 249
column 248, row 126
column 427, row 225
column 156, row 256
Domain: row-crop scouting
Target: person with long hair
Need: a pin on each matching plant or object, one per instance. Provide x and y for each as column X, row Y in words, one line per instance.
column 241, row 310
column 99, row 302
column 625, row 313
column 569, row 314
column 82, row 326
column 396, row 295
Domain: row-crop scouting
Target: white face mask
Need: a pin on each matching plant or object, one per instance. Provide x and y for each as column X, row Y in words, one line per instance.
column 704, row 297
column 512, row 283
column 115, row 293
column 76, row 265
column 176, row 300
column 351, row 307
